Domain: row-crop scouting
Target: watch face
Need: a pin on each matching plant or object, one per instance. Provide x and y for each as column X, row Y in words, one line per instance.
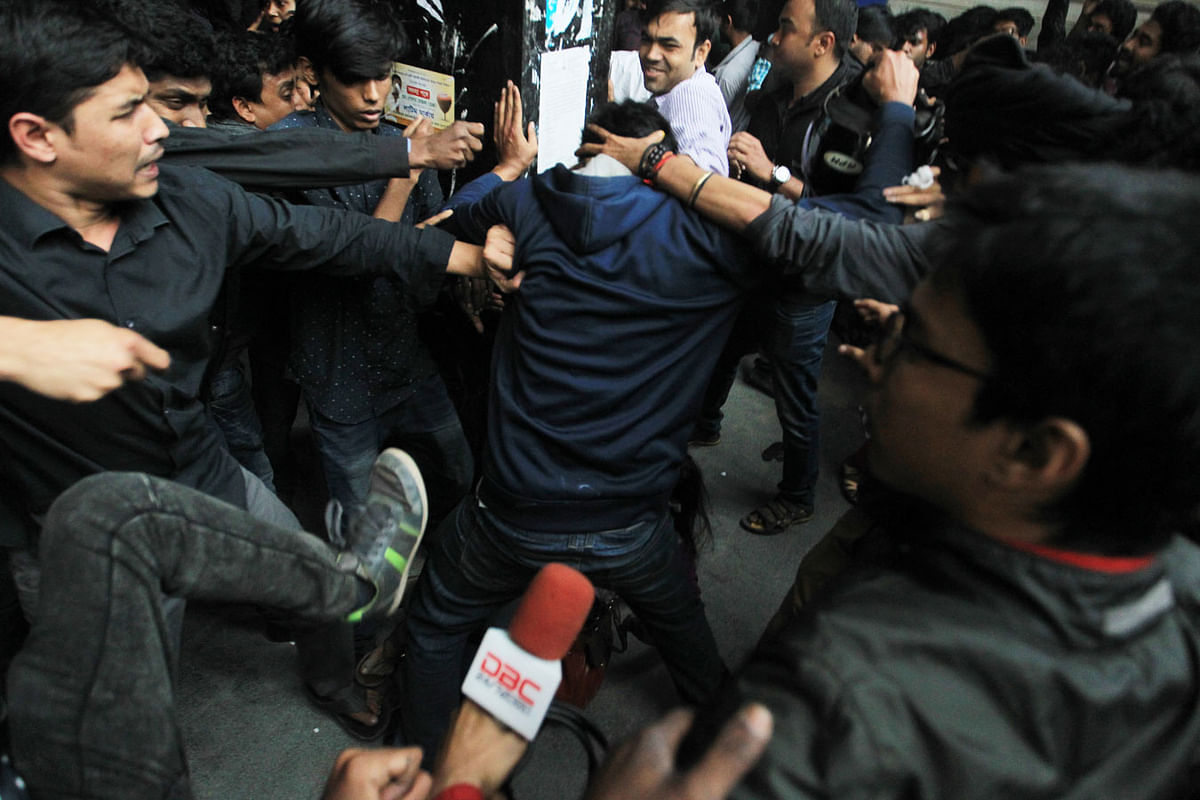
column 781, row 174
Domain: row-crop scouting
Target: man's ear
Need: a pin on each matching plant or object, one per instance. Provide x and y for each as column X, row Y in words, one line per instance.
column 1046, row 458
column 930, row 47
column 307, row 70
column 701, row 54
column 34, row 136
column 825, row 42
column 242, row 107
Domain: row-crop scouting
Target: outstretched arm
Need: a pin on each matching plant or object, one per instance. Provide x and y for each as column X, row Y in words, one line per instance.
column 309, row 158
column 77, row 360
column 728, row 202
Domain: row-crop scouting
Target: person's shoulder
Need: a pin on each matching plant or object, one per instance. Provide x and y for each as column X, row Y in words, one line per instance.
column 297, row 119
column 389, row 128
column 696, row 98
column 702, row 83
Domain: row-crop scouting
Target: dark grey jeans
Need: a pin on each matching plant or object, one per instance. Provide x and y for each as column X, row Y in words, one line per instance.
column 96, row 718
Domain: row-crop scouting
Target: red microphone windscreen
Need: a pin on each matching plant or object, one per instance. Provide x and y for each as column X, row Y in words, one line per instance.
column 552, row 612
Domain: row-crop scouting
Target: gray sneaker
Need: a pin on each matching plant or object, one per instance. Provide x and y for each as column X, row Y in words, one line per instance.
column 383, row 535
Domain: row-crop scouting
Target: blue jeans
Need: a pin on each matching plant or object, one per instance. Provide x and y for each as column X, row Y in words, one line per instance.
column 91, row 695
column 232, row 406
column 425, row 424
column 796, row 344
column 478, row 564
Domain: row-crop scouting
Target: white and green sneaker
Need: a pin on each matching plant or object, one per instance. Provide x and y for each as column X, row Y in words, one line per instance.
column 384, row 533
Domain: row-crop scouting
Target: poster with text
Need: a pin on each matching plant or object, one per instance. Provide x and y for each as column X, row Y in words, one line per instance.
column 418, row 93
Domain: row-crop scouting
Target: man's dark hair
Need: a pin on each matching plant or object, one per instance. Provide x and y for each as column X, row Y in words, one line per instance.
column 1084, row 56
column 917, row 19
column 1023, row 19
column 875, row 25
column 1084, row 281
column 231, row 15
column 356, row 40
column 744, row 13
column 964, row 30
column 704, row 12
column 839, row 17
column 1163, row 128
column 1180, row 23
column 1121, row 13
column 53, row 55
column 629, row 118
column 171, row 39
column 243, row 59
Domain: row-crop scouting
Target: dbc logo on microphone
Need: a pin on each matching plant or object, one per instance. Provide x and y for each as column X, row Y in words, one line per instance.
column 509, row 678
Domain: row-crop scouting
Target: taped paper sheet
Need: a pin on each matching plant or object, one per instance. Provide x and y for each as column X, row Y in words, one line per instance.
column 562, row 105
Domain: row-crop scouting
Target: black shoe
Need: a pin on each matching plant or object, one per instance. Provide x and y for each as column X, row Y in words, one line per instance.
column 774, row 452
column 382, row 536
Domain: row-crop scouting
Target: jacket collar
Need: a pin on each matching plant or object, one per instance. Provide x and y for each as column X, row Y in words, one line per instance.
column 1085, row 599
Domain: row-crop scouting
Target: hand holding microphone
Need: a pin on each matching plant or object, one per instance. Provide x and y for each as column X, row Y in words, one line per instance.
column 512, row 682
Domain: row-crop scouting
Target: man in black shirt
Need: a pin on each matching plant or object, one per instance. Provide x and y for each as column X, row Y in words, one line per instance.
column 809, row 47
column 94, row 228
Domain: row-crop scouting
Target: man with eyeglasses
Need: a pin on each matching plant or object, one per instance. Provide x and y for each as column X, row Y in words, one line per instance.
column 1021, row 618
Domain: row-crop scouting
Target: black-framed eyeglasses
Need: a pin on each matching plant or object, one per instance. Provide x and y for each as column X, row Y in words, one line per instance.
column 893, row 338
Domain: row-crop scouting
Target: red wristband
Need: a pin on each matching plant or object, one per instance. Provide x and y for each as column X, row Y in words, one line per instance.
column 460, row 791
column 667, row 156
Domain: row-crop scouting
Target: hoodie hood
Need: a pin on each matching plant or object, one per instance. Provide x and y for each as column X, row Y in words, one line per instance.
column 591, row 213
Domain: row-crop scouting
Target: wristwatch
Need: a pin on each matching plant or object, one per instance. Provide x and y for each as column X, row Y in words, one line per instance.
column 779, row 176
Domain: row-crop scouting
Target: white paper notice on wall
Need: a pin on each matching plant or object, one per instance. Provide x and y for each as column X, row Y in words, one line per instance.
column 562, row 105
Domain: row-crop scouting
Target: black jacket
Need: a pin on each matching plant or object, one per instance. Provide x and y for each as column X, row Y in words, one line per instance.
column 959, row 667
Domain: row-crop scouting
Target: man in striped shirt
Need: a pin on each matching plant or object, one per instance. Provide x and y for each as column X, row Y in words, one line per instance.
column 675, row 43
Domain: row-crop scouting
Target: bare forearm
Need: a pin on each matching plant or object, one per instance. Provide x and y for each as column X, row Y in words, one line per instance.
column 395, row 198
column 731, row 204
column 466, row 259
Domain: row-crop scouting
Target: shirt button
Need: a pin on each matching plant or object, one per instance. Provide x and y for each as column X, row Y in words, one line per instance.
column 131, row 323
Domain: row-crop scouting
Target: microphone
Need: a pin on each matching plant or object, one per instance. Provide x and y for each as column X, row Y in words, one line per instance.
column 516, row 672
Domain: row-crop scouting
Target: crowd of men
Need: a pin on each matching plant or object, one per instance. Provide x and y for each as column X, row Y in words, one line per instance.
column 210, row 220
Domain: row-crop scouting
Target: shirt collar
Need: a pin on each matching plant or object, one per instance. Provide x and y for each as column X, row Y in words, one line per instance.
column 28, row 221
column 24, row 219
column 139, row 218
column 699, row 73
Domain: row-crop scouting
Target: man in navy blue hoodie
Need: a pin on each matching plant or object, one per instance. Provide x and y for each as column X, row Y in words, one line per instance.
column 600, row 364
